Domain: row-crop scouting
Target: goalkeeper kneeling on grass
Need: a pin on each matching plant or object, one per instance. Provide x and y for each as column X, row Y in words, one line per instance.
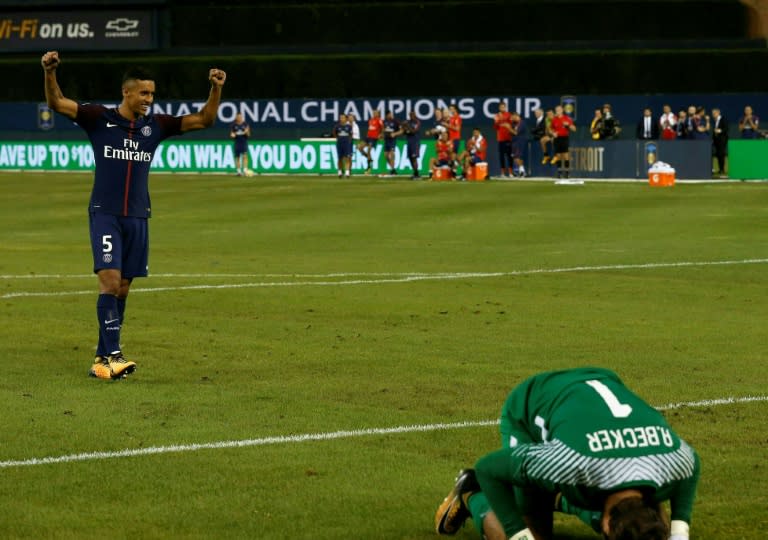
column 580, row 442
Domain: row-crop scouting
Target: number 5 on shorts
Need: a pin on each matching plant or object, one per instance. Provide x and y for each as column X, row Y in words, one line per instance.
column 106, row 241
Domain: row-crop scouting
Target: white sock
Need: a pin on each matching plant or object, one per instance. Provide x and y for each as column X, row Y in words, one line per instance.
column 525, row 534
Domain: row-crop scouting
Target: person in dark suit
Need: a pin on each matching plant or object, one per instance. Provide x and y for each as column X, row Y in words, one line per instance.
column 647, row 127
column 719, row 139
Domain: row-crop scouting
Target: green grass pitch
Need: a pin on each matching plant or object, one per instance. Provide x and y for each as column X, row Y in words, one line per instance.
column 282, row 306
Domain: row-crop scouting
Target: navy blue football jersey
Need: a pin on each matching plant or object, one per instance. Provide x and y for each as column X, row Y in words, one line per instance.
column 342, row 131
column 390, row 126
column 411, row 128
column 123, row 151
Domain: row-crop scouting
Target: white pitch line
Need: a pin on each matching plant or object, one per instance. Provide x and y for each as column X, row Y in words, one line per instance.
column 404, row 278
column 307, row 437
column 225, row 275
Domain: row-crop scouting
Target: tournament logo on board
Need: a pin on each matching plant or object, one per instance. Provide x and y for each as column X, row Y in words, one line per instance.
column 44, row 117
column 651, row 153
column 569, row 106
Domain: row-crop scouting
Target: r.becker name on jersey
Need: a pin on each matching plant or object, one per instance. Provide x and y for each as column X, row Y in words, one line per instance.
column 629, row 437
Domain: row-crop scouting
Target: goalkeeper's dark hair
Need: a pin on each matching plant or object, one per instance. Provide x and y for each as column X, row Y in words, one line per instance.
column 637, row 519
column 137, row 74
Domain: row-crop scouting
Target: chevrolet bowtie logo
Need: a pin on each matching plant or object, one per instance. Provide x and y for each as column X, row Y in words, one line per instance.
column 122, row 24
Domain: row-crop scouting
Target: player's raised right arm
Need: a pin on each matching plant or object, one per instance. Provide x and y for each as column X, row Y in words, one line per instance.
column 53, row 95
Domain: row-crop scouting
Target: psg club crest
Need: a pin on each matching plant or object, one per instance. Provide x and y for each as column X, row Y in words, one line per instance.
column 569, row 106
column 44, row 117
column 146, row 131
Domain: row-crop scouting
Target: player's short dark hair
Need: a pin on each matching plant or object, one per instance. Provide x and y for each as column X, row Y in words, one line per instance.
column 637, row 519
column 137, row 74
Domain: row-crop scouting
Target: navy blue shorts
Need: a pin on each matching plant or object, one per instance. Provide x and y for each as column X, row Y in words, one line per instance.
column 389, row 144
column 371, row 141
column 344, row 147
column 517, row 148
column 414, row 148
column 241, row 148
column 120, row 243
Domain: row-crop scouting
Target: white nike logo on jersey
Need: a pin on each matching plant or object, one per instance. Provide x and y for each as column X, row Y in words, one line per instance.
column 111, row 125
column 110, row 322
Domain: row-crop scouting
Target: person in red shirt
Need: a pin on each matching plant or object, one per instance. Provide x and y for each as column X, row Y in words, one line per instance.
column 375, row 127
column 454, row 129
column 476, row 152
column 561, row 127
column 444, row 151
column 502, row 123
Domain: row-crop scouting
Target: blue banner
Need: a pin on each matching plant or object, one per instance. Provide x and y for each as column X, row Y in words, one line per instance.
column 313, row 117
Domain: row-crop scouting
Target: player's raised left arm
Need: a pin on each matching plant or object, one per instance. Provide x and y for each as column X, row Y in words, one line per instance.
column 206, row 116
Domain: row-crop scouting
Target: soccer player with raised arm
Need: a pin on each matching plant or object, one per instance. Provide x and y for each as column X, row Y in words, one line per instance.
column 578, row 441
column 124, row 141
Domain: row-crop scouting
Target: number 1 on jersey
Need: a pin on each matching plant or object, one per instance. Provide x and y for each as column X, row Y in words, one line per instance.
column 618, row 410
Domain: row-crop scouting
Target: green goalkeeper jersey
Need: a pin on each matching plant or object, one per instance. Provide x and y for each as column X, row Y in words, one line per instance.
column 583, row 433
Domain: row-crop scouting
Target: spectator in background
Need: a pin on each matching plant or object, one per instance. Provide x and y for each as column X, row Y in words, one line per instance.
column 719, row 140
column 239, row 133
column 561, row 128
column 412, row 128
column 519, row 138
column 454, row 129
column 356, row 142
column 647, row 128
column 701, row 125
column 596, row 126
column 476, row 151
column 545, row 141
column 668, row 124
column 539, row 132
column 690, row 127
column 391, row 129
column 438, row 126
column 681, row 129
column 343, row 133
column 502, row 124
column 372, row 136
column 355, row 129
column 611, row 127
column 443, row 152
column 749, row 124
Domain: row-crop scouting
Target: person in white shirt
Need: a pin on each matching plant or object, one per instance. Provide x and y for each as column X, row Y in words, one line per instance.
column 355, row 133
column 668, row 124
